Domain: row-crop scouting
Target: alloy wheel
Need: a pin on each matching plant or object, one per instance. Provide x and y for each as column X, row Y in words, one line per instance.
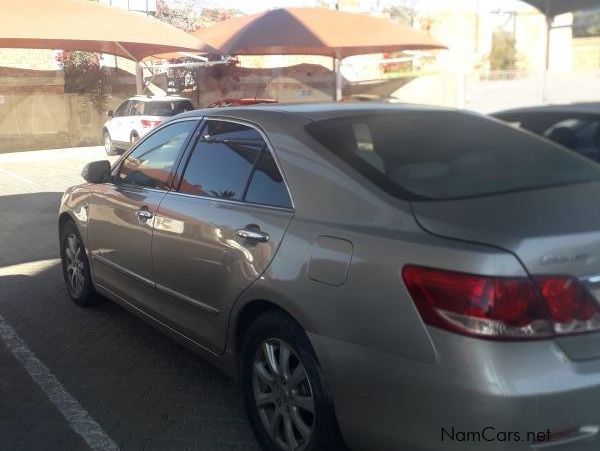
column 283, row 395
column 74, row 264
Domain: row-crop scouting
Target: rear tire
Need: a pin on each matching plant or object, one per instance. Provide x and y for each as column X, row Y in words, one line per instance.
column 109, row 146
column 284, row 389
column 75, row 266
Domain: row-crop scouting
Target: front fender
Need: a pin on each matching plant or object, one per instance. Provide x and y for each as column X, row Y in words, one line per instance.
column 74, row 206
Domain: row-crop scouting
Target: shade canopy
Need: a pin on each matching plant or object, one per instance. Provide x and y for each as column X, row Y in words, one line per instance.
column 86, row 25
column 554, row 7
column 312, row 31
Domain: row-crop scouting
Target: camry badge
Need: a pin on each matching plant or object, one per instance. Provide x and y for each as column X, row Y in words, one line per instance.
column 564, row 258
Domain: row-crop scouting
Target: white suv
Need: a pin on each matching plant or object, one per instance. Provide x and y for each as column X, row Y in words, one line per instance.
column 137, row 116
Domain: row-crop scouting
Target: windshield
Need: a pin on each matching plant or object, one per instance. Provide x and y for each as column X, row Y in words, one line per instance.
column 167, row 108
column 448, row 155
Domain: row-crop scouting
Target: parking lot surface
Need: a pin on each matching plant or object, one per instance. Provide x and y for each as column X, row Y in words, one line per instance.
column 100, row 378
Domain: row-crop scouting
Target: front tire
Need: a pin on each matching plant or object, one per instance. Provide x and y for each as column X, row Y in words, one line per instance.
column 75, row 266
column 284, row 389
column 109, row 146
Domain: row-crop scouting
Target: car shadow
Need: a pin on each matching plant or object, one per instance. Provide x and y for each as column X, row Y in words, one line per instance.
column 144, row 389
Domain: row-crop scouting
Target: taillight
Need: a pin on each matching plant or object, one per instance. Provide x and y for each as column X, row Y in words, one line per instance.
column 572, row 307
column 501, row 307
column 150, row 124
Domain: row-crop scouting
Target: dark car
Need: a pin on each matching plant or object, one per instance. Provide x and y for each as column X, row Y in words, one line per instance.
column 575, row 126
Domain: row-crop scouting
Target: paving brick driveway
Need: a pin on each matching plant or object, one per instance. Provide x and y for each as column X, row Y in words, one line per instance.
column 144, row 390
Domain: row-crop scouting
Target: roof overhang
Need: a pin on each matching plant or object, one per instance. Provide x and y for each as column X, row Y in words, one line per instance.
column 553, row 8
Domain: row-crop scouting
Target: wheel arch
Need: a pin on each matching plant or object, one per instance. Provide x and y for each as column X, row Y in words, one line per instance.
column 63, row 218
column 247, row 314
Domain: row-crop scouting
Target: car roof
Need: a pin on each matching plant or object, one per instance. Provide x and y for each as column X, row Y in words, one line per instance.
column 571, row 108
column 310, row 111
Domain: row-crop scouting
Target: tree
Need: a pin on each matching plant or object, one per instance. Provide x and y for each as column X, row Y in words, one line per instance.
column 504, row 52
column 84, row 75
column 586, row 24
column 403, row 11
column 181, row 14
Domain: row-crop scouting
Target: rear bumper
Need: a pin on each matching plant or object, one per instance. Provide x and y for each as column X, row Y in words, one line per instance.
column 479, row 395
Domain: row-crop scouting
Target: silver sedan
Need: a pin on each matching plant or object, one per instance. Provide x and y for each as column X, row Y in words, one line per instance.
column 377, row 277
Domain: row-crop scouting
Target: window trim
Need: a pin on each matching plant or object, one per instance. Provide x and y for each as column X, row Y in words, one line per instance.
column 178, row 179
column 182, row 152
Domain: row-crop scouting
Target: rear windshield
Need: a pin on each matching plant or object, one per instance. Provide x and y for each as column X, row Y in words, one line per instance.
column 441, row 155
column 167, row 108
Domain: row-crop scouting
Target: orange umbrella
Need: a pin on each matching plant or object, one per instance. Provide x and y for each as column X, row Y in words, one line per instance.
column 86, row 25
column 313, row 31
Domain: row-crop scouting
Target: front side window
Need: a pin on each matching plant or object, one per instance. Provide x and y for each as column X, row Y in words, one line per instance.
column 222, row 161
column 448, row 155
column 123, row 108
column 150, row 164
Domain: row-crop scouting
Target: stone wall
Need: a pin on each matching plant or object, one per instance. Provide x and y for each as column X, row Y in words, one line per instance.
column 35, row 112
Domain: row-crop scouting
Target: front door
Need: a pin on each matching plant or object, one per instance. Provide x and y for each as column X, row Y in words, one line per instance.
column 218, row 233
column 116, row 125
column 121, row 215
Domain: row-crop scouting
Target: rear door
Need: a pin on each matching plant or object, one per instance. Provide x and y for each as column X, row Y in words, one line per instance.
column 217, row 234
column 121, row 215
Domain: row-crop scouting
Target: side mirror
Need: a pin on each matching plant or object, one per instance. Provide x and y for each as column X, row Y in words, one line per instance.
column 110, row 113
column 96, row 171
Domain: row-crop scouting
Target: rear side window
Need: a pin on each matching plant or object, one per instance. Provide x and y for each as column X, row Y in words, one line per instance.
column 167, row 108
column 448, row 155
column 137, row 108
column 232, row 161
column 267, row 186
column 222, row 161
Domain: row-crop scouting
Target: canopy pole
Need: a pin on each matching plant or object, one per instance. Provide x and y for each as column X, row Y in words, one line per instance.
column 139, row 71
column 139, row 78
column 549, row 21
column 337, row 65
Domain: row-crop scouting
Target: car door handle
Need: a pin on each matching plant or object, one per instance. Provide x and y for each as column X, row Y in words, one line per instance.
column 253, row 233
column 144, row 215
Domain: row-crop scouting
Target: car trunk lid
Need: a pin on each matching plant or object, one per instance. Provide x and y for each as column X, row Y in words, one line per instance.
column 553, row 231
